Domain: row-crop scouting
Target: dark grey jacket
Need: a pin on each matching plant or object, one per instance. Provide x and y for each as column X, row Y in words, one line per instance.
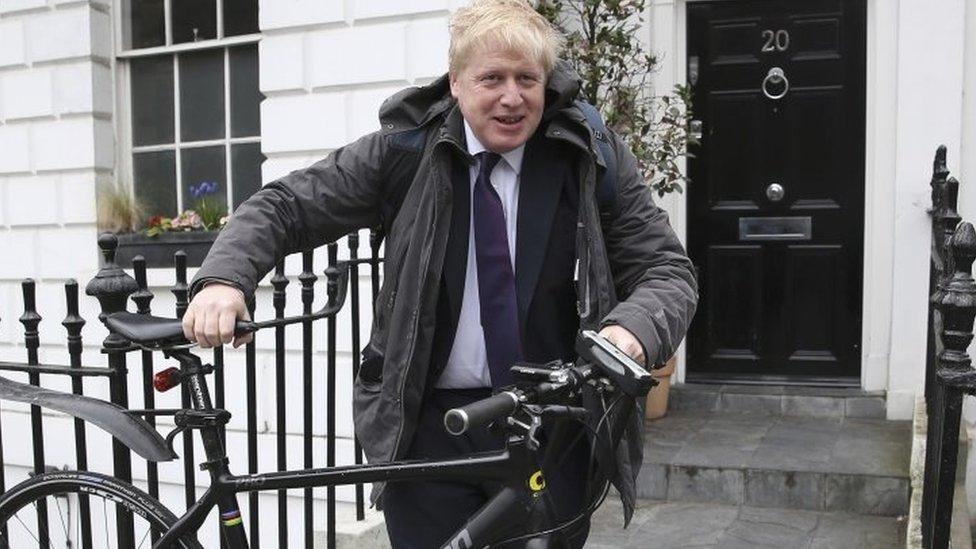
column 633, row 272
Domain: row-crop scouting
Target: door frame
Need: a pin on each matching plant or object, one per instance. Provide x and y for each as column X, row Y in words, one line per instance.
column 667, row 26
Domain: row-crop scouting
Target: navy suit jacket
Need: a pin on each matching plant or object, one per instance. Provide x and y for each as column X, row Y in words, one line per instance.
column 545, row 254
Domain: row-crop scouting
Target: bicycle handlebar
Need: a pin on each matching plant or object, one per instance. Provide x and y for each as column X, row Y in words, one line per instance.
column 458, row 420
column 601, row 359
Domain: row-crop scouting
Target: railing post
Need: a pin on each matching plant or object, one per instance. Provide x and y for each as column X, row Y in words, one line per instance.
column 945, row 193
column 142, row 298
column 279, row 282
column 307, row 279
column 944, row 220
column 112, row 287
column 251, row 392
column 354, row 312
column 73, row 323
column 958, row 309
column 332, row 287
column 31, row 320
column 180, row 291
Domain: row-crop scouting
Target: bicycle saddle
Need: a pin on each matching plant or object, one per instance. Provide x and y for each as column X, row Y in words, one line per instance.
column 146, row 329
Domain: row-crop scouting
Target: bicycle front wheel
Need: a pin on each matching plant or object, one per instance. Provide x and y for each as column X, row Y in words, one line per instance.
column 81, row 509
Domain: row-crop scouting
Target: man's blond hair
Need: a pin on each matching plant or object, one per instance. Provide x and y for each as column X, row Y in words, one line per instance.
column 511, row 25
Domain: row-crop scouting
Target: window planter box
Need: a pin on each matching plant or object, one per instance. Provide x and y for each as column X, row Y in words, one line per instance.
column 159, row 250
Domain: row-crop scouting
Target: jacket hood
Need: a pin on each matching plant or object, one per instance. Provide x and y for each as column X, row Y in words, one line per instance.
column 415, row 107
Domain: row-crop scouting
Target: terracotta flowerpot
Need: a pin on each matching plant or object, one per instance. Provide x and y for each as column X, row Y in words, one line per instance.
column 657, row 398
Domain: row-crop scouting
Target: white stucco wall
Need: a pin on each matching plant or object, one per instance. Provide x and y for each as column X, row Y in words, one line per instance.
column 325, row 67
column 929, row 112
column 55, row 141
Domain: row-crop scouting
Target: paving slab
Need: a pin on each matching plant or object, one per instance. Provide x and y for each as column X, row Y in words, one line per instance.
column 666, row 525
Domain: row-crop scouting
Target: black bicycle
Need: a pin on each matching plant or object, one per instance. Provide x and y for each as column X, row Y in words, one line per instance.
column 35, row 512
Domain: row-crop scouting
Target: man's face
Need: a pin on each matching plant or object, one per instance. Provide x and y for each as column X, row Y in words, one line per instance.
column 501, row 95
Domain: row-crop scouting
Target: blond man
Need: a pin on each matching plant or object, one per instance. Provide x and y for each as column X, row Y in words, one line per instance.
column 484, row 183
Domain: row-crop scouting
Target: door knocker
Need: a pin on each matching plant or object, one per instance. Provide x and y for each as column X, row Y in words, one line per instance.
column 775, row 76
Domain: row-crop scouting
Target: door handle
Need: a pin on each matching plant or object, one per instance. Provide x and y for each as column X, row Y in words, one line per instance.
column 775, row 192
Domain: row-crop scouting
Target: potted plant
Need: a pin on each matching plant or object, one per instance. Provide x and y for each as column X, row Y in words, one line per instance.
column 118, row 210
column 602, row 43
column 192, row 231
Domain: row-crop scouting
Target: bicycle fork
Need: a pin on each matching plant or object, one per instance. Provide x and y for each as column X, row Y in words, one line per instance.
column 209, row 422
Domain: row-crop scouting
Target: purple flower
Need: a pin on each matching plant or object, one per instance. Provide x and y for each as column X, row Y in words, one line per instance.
column 205, row 188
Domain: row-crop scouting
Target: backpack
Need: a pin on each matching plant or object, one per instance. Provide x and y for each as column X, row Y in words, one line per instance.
column 606, row 188
column 414, row 141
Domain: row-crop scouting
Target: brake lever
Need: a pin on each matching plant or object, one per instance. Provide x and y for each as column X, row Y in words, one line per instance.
column 561, row 411
column 531, row 429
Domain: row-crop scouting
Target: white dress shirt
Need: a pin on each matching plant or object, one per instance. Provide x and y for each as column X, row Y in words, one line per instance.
column 467, row 365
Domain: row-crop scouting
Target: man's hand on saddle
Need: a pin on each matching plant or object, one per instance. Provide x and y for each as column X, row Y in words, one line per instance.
column 212, row 314
column 625, row 341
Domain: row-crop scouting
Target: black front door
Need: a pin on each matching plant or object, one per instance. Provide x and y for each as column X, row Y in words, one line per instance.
column 776, row 199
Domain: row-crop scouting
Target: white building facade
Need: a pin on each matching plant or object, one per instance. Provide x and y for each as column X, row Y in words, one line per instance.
column 71, row 105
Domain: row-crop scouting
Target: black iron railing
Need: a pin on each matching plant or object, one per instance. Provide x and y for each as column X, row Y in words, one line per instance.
column 949, row 374
column 113, row 288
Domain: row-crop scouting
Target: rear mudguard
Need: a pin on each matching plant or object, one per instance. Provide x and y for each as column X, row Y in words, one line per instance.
column 131, row 431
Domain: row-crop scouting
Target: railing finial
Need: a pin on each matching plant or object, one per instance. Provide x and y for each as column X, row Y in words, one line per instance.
column 180, row 289
column 30, row 319
column 939, row 170
column 938, row 183
column 958, row 303
column 73, row 322
column 111, row 286
column 143, row 296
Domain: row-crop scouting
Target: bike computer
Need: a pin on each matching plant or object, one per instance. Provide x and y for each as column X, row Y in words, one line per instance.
column 627, row 374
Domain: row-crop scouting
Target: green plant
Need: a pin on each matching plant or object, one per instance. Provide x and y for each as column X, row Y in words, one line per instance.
column 207, row 213
column 118, row 210
column 603, row 45
column 206, row 206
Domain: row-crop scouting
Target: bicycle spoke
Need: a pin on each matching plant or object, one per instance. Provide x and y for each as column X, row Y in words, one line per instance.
column 105, row 520
column 64, row 527
column 143, row 540
column 26, row 528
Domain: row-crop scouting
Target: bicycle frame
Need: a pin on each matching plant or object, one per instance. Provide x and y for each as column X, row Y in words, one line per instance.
column 522, row 503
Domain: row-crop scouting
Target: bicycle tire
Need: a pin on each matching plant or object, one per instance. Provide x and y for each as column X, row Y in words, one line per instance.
column 146, row 510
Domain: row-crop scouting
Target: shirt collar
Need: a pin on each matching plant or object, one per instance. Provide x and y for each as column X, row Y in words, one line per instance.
column 513, row 157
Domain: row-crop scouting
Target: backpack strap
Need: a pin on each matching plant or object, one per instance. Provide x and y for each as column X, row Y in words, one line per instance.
column 606, row 189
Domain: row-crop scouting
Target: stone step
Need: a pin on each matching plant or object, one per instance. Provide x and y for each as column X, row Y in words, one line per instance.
column 702, row 525
column 369, row 533
column 778, row 400
column 818, row 464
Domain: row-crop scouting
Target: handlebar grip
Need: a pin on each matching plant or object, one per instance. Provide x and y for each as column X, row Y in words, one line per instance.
column 245, row 327
column 458, row 420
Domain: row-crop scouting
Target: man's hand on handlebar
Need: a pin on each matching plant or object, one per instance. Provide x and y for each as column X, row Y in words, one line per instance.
column 625, row 341
column 211, row 316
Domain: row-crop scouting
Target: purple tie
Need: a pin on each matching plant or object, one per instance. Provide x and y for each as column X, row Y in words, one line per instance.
column 496, row 281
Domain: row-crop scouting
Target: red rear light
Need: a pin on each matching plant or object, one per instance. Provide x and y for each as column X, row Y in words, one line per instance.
column 167, row 379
